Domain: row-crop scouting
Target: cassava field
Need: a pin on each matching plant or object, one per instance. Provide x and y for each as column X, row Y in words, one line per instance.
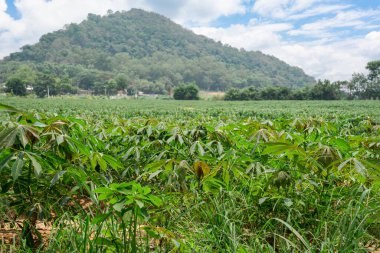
column 82, row 175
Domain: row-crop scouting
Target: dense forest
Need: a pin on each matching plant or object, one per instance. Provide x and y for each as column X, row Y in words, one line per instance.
column 140, row 50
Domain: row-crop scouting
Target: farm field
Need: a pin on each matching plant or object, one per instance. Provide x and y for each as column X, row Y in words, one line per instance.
column 82, row 175
column 238, row 109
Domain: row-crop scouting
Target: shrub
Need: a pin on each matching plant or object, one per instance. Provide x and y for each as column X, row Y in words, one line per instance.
column 186, row 92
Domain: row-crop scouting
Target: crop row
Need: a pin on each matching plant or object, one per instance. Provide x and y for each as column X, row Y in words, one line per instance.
column 190, row 183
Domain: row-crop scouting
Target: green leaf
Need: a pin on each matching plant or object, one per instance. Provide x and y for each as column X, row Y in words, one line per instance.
column 288, row 202
column 7, row 108
column 5, row 187
column 342, row 144
column 154, row 174
column 60, row 139
column 94, row 161
column 175, row 242
column 119, row 206
column 112, row 244
column 103, row 190
column 17, row 167
column 8, row 137
column 220, row 148
column 343, row 164
column 180, row 139
column 295, row 232
column 170, row 139
column 358, row 165
column 155, row 165
column 22, row 136
column 201, row 151
column 360, row 168
column 262, row 200
column 4, row 161
column 56, row 177
column 278, row 148
column 37, row 167
column 39, row 124
column 102, row 163
column 156, row 201
column 192, row 148
column 104, row 196
column 139, row 203
column 100, row 218
column 113, row 162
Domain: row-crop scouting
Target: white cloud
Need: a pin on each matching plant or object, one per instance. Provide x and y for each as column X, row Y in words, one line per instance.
column 281, row 8
column 331, row 62
column 196, row 11
column 252, row 37
column 319, row 10
column 347, row 19
column 321, row 59
column 331, row 47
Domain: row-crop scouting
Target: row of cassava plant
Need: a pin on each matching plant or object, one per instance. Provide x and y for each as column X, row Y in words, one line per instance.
column 289, row 184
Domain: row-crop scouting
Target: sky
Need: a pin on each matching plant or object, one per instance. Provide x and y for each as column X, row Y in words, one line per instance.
column 328, row 39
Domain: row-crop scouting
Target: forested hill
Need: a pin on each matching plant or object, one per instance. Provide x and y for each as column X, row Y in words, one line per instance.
column 148, row 50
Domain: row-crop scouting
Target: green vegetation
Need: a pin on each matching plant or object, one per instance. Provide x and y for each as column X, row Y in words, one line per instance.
column 186, row 92
column 359, row 87
column 191, row 176
column 139, row 50
column 16, row 86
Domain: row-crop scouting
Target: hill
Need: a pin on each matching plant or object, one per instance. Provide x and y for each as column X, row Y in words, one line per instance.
column 144, row 50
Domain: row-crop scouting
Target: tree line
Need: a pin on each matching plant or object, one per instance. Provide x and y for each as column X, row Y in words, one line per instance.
column 361, row 86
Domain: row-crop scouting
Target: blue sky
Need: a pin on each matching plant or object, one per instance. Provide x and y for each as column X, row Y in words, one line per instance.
column 327, row 38
column 12, row 10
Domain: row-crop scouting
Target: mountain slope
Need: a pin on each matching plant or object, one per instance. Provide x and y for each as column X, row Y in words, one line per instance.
column 149, row 50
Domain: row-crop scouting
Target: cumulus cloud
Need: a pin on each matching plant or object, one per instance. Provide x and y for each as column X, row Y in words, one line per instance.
column 322, row 59
column 253, row 36
column 326, row 40
column 196, row 11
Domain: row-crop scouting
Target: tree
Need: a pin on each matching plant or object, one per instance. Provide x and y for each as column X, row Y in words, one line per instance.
column 251, row 93
column 366, row 87
column 358, row 85
column 373, row 88
column 111, row 86
column 374, row 71
column 268, row 93
column 301, row 94
column 325, row 91
column 122, row 82
column 16, row 86
column 233, row 94
column 45, row 86
column 186, row 92
column 26, row 74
